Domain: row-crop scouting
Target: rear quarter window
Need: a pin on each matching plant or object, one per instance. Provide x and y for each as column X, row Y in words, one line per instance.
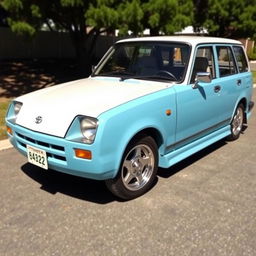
column 240, row 59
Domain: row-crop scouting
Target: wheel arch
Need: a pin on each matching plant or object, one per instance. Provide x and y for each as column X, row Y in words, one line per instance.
column 152, row 132
column 243, row 101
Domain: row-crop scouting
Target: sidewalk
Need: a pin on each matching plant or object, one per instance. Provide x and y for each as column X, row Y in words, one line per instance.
column 5, row 144
column 253, row 65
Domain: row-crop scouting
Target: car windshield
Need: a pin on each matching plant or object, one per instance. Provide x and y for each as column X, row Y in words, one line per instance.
column 160, row 61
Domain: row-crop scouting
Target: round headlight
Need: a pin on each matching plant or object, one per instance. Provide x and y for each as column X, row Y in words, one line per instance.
column 88, row 127
column 17, row 107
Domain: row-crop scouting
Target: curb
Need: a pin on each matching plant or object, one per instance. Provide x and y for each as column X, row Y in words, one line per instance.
column 5, row 144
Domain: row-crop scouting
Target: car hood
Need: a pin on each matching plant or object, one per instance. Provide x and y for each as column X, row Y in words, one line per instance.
column 59, row 105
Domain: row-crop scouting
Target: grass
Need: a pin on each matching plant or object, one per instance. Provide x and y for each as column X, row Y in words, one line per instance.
column 254, row 76
column 3, row 109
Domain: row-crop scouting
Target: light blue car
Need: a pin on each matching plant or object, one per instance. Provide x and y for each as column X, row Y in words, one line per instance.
column 149, row 103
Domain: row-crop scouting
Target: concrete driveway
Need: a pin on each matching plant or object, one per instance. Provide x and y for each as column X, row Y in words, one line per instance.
column 253, row 65
column 205, row 205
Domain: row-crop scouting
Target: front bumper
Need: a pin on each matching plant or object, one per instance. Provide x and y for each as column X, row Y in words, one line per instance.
column 60, row 153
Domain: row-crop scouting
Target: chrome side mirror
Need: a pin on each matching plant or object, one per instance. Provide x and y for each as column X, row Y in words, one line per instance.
column 93, row 68
column 202, row 77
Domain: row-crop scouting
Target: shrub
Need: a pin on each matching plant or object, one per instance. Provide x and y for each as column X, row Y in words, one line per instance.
column 252, row 54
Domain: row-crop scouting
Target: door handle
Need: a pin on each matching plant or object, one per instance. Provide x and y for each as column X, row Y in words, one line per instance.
column 239, row 82
column 217, row 88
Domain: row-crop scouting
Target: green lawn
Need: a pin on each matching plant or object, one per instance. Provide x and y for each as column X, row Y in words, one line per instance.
column 254, row 76
column 3, row 109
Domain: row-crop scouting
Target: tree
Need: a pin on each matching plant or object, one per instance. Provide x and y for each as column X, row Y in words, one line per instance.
column 200, row 12
column 73, row 16
column 86, row 19
column 3, row 17
column 131, row 16
column 229, row 18
column 83, row 19
column 247, row 22
column 168, row 16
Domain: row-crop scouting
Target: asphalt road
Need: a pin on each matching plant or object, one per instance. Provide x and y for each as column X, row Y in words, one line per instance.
column 205, row 205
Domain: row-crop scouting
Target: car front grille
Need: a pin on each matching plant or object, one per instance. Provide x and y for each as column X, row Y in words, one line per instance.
column 52, row 151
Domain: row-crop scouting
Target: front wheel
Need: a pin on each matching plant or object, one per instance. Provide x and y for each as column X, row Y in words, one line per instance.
column 237, row 123
column 137, row 171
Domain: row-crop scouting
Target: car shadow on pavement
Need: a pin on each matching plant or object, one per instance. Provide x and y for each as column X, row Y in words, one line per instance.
column 95, row 191
column 81, row 188
column 166, row 173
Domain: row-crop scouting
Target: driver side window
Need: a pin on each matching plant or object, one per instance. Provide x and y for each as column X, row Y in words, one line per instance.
column 204, row 62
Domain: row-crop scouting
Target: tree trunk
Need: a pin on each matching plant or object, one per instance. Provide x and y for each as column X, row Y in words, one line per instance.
column 154, row 31
column 85, row 54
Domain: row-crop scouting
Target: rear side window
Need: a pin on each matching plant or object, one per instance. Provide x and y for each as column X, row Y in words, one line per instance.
column 240, row 59
column 226, row 61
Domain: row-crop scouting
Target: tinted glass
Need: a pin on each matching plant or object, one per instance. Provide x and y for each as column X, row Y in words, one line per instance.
column 226, row 61
column 240, row 59
column 204, row 62
column 146, row 60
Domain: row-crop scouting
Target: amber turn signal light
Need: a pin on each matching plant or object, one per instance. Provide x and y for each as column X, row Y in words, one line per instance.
column 168, row 112
column 9, row 130
column 81, row 153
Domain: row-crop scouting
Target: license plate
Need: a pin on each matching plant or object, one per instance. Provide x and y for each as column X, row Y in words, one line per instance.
column 37, row 157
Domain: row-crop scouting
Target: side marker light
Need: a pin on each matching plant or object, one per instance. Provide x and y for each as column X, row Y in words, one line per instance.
column 168, row 112
column 9, row 130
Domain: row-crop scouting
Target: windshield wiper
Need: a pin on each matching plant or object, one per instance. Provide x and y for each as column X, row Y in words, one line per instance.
column 116, row 73
column 149, row 77
column 124, row 75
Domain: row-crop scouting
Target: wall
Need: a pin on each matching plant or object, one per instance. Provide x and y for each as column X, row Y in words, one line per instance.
column 48, row 44
column 248, row 44
column 45, row 44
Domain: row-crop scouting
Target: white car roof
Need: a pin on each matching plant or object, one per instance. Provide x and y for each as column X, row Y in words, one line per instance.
column 193, row 40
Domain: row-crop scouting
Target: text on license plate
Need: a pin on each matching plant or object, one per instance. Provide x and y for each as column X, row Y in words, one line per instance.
column 37, row 157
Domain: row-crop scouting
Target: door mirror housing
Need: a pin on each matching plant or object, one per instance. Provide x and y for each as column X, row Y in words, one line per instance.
column 202, row 77
column 93, row 68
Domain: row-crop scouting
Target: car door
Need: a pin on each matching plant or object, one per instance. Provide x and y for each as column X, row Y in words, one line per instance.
column 243, row 67
column 199, row 109
column 229, row 79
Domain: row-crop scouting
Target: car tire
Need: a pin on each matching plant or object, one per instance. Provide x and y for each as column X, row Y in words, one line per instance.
column 237, row 123
column 137, row 170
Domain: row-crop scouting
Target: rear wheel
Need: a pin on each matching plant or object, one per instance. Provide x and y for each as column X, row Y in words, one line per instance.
column 237, row 123
column 138, row 169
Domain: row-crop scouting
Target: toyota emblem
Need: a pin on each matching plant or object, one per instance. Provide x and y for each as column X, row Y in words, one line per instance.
column 39, row 120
